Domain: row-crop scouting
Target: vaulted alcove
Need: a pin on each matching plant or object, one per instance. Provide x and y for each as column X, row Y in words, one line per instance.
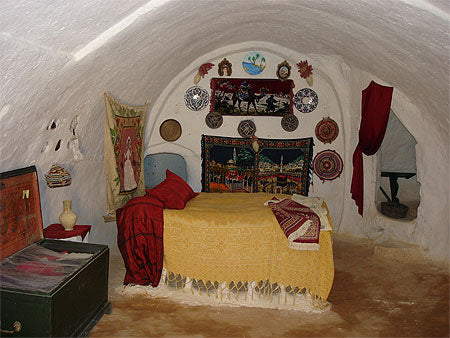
column 398, row 194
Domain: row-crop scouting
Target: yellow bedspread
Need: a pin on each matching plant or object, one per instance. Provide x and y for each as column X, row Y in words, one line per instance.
column 233, row 237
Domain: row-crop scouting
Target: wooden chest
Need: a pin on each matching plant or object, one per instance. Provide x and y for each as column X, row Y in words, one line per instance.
column 48, row 287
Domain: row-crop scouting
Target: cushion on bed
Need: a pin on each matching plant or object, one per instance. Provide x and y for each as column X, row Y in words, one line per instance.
column 173, row 192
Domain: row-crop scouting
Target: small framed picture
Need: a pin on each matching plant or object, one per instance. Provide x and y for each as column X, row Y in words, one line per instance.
column 224, row 68
column 284, row 70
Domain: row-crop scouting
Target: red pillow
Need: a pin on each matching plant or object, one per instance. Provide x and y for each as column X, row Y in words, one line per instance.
column 173, row 192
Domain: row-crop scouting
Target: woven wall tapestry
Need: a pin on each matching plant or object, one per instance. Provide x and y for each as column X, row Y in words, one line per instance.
column 279, row 166
column 124, row 139
column 258, row 97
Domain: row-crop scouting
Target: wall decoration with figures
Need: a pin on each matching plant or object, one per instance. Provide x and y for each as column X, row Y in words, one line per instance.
column 285, row 104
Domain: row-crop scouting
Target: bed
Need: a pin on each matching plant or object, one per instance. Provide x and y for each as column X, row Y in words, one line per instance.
column 230, row 245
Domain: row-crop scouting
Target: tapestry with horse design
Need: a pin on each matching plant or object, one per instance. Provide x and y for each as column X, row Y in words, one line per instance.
column 279, row 166
column 257, row 97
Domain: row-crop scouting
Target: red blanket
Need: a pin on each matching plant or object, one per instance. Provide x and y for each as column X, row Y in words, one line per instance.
column 299, row 223
column 140, row 226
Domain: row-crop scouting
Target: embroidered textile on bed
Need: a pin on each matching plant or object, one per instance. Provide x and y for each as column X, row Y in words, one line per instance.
column 140, row 225
column 299, row 223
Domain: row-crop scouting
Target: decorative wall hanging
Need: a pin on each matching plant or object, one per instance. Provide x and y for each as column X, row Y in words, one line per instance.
column 124, row 139
column 202, row 71
column 306, row 100
column 284, row 70
column 280, row 166
column 170, row 130
column 58, row 177
column 214, row 120
column 246, row 128
column 289, row 122
column 305, row 71
column 328, row 165
column 196, row 98
column 224, row 68
column 327, row 130
column 254, row 63
column 262, row 97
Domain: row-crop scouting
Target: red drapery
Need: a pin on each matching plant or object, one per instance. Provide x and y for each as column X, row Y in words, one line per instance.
column 375, row 107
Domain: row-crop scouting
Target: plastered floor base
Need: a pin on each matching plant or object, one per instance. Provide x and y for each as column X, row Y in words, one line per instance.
column 375, row 293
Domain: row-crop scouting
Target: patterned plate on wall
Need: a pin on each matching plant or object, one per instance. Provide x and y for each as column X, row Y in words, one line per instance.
column 247, row 128
column 327, row 130
column 289, row 122
column 306, row 100
column 328, row 165
column 196, row 98
column 214, row 120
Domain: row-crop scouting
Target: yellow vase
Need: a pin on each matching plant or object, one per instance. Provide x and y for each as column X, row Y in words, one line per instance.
column 309, row 80
column 67, row 218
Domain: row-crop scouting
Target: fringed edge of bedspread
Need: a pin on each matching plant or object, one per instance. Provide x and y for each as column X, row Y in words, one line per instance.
column 245, row 293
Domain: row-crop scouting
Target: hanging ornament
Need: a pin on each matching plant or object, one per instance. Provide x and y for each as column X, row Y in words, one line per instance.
column 327, row 130
column 246, row 128
column 305, row 71
column 289, row 122
column 328, row 165
column 196, row 98
column 57, row 177
column 224, row 68
column 255, row 143
column 202, row 71
column 283, row 70
column 214, row 120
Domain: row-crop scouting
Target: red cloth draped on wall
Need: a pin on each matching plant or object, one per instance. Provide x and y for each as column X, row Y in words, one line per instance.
column 375, row 107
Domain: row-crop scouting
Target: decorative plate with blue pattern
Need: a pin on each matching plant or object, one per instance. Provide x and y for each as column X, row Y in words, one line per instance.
column 306, row 100
column 196, row 98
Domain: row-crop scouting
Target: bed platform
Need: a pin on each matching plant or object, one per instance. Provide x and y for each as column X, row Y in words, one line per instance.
column 233, row 243
column 230, row 246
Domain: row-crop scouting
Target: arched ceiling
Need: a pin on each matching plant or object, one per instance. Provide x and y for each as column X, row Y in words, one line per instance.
column 398, row 41
column 403, row 43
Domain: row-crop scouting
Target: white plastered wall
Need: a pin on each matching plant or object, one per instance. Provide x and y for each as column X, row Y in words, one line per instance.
column 405, row 44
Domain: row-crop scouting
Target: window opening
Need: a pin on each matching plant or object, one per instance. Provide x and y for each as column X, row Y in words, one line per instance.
column 398, row 193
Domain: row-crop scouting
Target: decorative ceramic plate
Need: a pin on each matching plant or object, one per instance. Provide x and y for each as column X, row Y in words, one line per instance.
column 289, row 122
column 170, row 130
column 247, row 128
column 306, row 100
column 214, row 120
column 254, row 63
column 327, row 130
column 196, row 98
column 328, row 165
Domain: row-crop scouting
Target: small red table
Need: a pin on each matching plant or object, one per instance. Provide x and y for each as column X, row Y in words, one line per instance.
column 57, row 231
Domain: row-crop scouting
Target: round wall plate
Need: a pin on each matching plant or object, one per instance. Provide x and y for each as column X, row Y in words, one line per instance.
column 246, row 128
column 196, row 98
column 170, row 130
column 328, row 165
column 327, row 130
column 214, row 120
column 289, row 122
column 306, row 100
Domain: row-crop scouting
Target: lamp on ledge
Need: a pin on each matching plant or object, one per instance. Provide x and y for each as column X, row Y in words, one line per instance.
column 393, row 208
